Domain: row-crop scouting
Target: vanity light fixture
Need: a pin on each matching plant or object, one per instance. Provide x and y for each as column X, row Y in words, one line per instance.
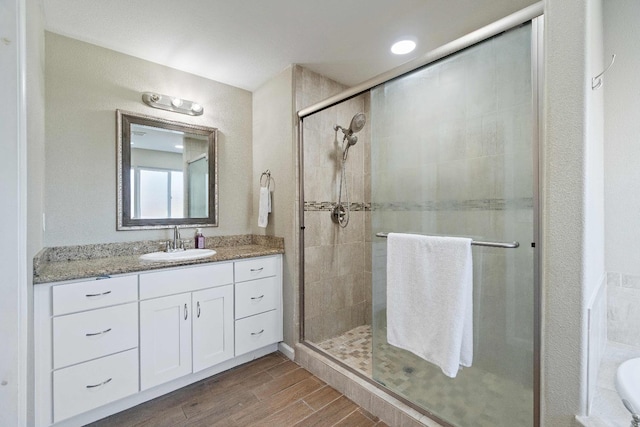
column 403, row 47
column 172, row 103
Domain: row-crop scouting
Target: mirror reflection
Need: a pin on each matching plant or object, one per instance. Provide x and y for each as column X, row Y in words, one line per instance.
column 167, row 173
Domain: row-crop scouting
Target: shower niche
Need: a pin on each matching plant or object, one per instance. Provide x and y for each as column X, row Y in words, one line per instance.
column 447, row 149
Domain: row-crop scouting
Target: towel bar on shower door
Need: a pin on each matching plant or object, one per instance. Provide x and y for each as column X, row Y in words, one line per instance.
column 506, row 245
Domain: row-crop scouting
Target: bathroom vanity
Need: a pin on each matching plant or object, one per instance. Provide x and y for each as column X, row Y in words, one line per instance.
column 104, row 344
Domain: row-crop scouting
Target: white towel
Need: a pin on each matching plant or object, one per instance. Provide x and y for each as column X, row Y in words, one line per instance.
column 430, row 298
column 264, row 207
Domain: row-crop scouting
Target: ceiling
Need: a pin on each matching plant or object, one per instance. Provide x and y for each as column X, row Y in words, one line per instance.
column 244, row 43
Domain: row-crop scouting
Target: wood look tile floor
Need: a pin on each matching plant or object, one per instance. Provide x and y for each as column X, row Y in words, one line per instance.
column 270, row 391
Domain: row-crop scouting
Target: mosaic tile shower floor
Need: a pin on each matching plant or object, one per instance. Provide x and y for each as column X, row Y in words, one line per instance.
column 474, row 398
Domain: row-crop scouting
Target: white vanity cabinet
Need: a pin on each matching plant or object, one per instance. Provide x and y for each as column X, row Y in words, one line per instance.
column 165, row 339
column 102, row 346
column 258, row 300
column 212, row 327
column 189, row 331
column 89, row 345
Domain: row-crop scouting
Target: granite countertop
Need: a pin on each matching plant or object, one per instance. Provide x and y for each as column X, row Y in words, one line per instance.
column 87, row 261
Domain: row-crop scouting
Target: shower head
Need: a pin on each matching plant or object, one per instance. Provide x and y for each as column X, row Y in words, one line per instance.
column 357, row 124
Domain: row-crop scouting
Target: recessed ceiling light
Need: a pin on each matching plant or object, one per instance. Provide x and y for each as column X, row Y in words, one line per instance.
column 179, row 146
column 403, row 47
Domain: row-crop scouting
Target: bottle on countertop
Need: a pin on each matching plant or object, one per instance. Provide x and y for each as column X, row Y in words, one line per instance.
column 199, row 239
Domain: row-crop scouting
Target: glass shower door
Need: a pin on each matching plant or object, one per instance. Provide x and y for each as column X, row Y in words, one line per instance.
column 452, row 154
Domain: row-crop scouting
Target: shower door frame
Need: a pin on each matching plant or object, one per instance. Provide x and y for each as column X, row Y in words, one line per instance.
column 532, row 14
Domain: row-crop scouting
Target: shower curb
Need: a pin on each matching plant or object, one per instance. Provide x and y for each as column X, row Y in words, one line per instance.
column 389, row 409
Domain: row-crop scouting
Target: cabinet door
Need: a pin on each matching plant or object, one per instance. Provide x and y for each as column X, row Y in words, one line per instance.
column 165, row 339
column 212, row 326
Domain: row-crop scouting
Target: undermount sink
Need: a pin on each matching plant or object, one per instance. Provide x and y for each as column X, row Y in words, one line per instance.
column 185, row 255
column 628, row 384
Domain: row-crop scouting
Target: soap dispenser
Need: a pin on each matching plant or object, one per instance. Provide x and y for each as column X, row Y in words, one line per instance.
column 199, row 239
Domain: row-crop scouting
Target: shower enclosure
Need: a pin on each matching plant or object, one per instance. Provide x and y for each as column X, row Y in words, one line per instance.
column 447, row 149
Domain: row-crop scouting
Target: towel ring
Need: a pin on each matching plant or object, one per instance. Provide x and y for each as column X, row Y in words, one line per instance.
column 266, row 174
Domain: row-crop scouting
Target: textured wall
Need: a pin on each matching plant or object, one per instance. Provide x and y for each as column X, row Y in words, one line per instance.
column 274, row 148
column 452, row 155
column 571, row 219
column 337, row 265
column 85, row 84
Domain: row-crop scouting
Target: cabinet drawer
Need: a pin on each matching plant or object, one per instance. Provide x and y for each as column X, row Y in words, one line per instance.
column 257, row 296
column 86, row 386
column 92, row 294
column 170, row 282
column 83, row 336
column 256, row 268
column 258, row 331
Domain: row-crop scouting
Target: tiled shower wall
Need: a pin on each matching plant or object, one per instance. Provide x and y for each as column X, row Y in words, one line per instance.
column 337, row 261
column 452, row 155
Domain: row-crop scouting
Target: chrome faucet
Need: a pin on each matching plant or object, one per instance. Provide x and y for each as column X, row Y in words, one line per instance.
column 178, row 244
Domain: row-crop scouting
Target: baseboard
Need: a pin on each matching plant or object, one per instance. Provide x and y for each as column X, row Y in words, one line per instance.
column 287, row 350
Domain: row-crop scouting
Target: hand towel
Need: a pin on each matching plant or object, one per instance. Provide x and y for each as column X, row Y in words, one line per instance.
column 430, row 298
column 264, row 207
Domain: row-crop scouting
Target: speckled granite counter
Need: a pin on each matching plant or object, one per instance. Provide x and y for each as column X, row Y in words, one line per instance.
column 86, row 261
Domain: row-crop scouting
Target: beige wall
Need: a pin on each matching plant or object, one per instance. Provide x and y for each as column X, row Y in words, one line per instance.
column 274, row 148
column 85, row 84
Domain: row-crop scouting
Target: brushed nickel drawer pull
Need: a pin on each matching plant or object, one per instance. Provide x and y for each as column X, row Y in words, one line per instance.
column 101, row 384
column 198, row 309
column 258, row 298
column 257, row 269
column 257, row 333
column 98, row 333
column 186, row 312
column 97, row 295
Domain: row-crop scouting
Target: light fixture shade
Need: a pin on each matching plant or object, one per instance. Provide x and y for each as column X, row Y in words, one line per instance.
column 172, row 103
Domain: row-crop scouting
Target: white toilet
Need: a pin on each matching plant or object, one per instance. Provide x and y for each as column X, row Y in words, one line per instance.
column 628, row 386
